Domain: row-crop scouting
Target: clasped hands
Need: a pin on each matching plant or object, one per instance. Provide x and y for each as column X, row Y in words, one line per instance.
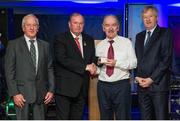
column 144, row 82
column 91, row 68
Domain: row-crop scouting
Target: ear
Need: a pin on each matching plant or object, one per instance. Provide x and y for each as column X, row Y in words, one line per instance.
column 69, row 24
column 103, row 28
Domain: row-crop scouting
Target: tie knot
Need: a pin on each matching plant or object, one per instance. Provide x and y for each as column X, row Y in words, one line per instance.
column 31, row 41
column 111, row 41
column 76, row 38
column 149, row 33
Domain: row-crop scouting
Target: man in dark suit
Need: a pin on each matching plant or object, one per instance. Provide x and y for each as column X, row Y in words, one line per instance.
column 154, row 56
column 29, row 71
column 75, row 58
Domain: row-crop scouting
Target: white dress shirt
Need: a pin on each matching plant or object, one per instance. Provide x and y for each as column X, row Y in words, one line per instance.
column 36, row 47
column 80, row 42
column 124, row 55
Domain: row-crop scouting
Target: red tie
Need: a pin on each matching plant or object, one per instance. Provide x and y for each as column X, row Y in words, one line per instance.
column 110, row 70
column 78, row 44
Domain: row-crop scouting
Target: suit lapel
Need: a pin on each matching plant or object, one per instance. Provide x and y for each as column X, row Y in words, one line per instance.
column 141, row 41
column 26, row 51
column 85, row 49
column 73, row 43
column 153, row 38
column 40, row 51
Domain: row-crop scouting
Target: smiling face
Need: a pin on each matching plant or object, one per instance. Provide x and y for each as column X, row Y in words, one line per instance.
column 30, row 26
column 110, row 26
column 149, row 19
column 76, row 24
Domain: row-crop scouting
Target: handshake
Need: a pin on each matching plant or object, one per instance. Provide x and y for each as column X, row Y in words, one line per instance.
column 91, row 68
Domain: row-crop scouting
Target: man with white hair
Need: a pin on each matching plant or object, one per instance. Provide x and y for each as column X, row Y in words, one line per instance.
column 29, row 72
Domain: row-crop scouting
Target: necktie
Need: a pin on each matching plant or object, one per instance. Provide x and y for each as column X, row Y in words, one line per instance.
column 78, row 44
column 148, row 37
column 110, row 55
column 33, row 52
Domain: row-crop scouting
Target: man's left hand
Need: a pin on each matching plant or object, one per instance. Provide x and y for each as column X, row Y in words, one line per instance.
column 48, row 97
column 110, row 62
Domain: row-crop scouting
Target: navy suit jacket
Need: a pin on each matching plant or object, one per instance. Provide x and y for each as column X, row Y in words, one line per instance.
column 154, row 60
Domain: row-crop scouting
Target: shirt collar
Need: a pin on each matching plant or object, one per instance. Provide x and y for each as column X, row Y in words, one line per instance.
column 115, row 38
column 152, row 30
column 27, row 38
column 74, row 36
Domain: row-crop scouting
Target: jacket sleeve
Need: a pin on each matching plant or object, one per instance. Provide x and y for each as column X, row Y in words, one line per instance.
column 10, row 69
column 51, row 79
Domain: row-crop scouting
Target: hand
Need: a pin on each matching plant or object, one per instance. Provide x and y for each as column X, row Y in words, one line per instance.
column 48, row 97
column 91, row 68
column 139, row 80
column 19, row 100
column 110, row 62
column 146, row 82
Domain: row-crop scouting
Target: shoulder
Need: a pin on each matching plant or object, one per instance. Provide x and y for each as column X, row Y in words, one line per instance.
column 164, row 29
column 87, row 37
column 140, row 33
column 62, row 37
column 16, row 41
column 123, row 40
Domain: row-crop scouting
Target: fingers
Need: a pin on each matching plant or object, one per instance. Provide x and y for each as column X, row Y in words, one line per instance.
column 48, row 97
column 91, row 68
column 110, row 62
column 19, row 100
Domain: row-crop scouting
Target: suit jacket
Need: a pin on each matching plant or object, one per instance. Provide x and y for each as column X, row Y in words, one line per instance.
column 20, row 72
column 154, row 60
column 71, row 77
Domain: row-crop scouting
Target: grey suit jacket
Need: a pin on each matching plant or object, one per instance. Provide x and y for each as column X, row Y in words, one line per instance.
column 20, row 73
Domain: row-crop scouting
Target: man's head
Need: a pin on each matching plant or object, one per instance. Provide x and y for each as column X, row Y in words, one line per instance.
column 30, row 25
column 150, row 17
column 76, row 23
column 110, row 26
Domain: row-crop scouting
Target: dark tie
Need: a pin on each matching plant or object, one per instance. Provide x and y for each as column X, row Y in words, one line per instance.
column 110, row 55
column 148, row 37
column 33, row 52
column 77, row 43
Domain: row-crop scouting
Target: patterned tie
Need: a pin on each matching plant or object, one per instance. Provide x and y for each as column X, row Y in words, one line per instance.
column 110, row 70
column 33, row 52
column 77, row 43
column 148, row 38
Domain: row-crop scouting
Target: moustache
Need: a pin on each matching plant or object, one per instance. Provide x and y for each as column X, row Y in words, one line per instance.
column 111, row 31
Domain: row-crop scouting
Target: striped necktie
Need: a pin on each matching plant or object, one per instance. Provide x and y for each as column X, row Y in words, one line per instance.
column 33, row 52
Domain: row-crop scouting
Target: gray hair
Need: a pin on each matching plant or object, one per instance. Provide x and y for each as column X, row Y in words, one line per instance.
column 29, row 15
column 111, row 15
column 150, row 7
column 74, row 15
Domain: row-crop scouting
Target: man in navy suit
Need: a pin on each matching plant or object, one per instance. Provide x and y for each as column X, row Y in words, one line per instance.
column 75, row 58
column 154, row 55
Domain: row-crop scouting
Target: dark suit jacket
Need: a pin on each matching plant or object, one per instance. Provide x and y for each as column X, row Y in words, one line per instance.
column 154, row 60
column 20, row 73
column 70, row 72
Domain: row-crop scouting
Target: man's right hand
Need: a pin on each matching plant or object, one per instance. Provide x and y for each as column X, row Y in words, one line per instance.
column 91, row 68
column 19, row 100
